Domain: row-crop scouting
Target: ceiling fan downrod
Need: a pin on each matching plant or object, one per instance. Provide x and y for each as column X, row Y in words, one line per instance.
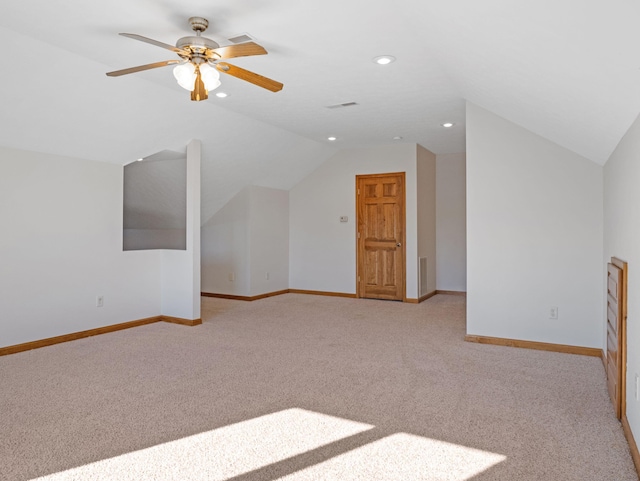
column 197, row 45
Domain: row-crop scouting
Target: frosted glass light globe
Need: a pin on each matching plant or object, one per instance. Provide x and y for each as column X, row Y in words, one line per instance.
column 185, row 74
column 210, row 77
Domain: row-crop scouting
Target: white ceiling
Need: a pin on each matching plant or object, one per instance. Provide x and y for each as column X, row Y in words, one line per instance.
column 568, row 70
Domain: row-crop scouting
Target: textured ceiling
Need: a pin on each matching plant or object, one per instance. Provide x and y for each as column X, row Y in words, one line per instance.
column 566, row 70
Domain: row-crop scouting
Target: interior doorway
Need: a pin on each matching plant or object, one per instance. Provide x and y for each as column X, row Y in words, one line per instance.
column 380, row 202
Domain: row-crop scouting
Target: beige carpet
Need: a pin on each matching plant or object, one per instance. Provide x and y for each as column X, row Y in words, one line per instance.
column 300, row 387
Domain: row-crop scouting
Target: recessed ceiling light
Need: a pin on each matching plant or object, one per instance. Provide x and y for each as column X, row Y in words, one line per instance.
column 332, row 138
column 384, row 59
column 139, row 160
column 221, row 95
column 397, row 137
column 447, row 125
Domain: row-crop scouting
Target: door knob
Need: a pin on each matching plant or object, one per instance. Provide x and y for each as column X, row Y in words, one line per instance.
column 399, row 244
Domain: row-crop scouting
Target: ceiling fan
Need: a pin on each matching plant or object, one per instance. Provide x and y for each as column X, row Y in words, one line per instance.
column 200, row 62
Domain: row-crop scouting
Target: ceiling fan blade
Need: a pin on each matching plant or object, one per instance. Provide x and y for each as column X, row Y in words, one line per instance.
column 155, row 42
column 240, row 50
column 254, row 78
column 140, row 68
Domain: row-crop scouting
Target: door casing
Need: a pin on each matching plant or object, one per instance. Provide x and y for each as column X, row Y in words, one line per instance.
column 617, row 272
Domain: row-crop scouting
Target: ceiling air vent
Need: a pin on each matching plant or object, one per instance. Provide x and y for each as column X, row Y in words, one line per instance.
column 341, row 106
column 241, row 38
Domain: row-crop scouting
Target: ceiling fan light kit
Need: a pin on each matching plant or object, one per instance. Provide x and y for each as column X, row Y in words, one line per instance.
column 187, row 73
column 199, row 67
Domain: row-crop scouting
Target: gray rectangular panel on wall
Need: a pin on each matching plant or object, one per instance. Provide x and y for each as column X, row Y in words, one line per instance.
column 155, row 203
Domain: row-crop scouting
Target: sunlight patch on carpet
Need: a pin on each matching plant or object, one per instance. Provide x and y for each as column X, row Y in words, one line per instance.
column 222, row 453
column 402, row 457
column 261, row 443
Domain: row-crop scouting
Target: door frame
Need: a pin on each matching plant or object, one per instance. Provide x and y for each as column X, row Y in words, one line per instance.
column 622, row 265
column 403, row 216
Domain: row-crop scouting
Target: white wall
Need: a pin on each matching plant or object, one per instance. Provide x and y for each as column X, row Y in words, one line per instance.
column 426, row 211
column 322, row 254
column 534, row 236
column 248, row 237
column 451, row 223
column 61, row 247
column 269, row 240
column 622, row 239
column 181, row 269
column 225, row 248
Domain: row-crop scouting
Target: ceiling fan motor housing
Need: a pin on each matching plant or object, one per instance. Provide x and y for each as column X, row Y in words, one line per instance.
column 196, row 44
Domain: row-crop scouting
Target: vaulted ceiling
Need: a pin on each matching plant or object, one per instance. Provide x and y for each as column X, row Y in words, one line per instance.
column 566, row 70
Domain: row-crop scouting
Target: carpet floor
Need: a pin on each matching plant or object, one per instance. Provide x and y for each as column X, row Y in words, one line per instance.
column 300, row 387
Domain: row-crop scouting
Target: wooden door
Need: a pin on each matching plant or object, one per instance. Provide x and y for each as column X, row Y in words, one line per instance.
column 381, row 232
column 616, row 344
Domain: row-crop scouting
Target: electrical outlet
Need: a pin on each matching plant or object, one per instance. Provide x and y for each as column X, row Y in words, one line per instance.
column 553, row 313
column 266, row 275
column 99, row 301
column 232, row 276
column 344, row 218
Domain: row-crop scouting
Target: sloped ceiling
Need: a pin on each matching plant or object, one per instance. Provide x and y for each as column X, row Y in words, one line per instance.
column 566, row 70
